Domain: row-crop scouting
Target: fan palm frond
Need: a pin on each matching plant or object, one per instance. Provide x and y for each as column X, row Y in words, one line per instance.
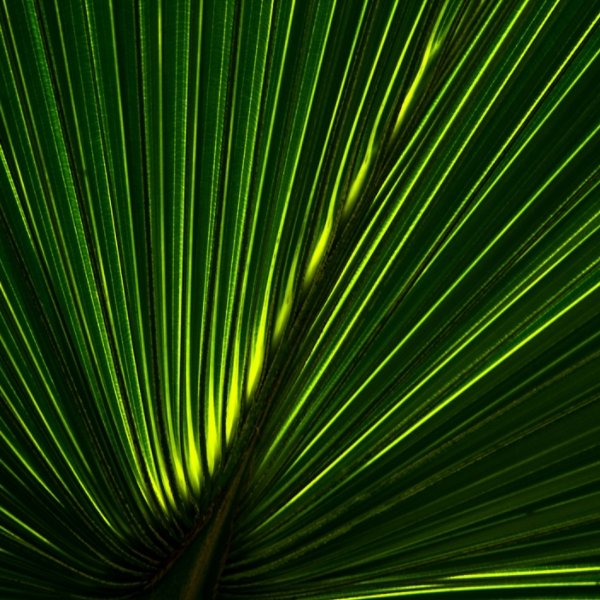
column 300, row 299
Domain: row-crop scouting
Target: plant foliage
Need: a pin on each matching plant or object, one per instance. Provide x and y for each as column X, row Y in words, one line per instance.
column 299, row 298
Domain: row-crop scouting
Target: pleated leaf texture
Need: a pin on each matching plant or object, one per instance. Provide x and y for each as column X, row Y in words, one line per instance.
column 300, row 299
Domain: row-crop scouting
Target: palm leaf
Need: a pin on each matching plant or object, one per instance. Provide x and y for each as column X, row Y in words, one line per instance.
column 299, row 299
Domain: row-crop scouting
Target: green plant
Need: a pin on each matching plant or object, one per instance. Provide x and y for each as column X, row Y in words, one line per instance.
column 299, row 299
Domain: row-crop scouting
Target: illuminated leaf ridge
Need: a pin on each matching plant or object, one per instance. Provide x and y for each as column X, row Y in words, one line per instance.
column 299, row 299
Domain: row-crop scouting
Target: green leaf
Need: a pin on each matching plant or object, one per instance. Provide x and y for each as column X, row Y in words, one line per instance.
column 299, row 299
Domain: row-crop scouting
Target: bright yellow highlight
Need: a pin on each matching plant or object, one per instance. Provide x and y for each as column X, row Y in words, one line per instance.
column 212, row 434
column 319, row 251
column 286, row 307
column 433, row 45
column 158, row 493
column 258, row 355
column 180, row 474
column 194, row 465
column 410, row 95
column 233, row 400
column 359, row 181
